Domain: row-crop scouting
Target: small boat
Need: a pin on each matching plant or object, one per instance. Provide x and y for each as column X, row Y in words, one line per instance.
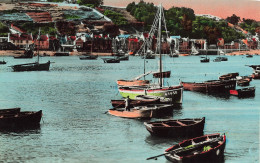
column 211, row 86
column 132, row 82
column 176, row 128
column 111, row 60
column 88, row 57
column 174, row 55
column 229, row 76
column 207, row 148
column 141, row 112
column 249, row 56
column 2, row 62
column 134, row 102
column 249, row 78
column 217, row 60
column 165, row 74
column 204, row 60
column 10, row 111
column 243, row 82
column 61, row 54
column 245, row 92
column 256, row 75
column 36, row 66
column 123, row 58
column 27, row 54
column 20, row 119
column 254, row 66
column 148, row 57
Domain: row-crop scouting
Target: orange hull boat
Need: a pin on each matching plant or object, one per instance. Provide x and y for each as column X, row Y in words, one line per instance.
column 132, row 82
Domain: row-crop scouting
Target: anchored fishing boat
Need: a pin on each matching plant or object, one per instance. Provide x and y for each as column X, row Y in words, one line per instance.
column 229, row 76
column 88, row 57
column 207, row 148
column 211, row 86
column 176, row 128
column 35, row 66
column 172, row 92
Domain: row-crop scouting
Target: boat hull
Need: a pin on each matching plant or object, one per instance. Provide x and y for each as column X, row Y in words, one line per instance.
column 121, row 103
column 215, row 154
column 210, row 86
column 176, row 128
column 245, row 92
column 174, row 94
column 132, row 82
column 21, row 119
column 32, row 67
column 143, row 112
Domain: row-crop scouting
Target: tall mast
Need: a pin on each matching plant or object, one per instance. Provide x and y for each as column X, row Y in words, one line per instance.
column 159, row 39
column 39, row 36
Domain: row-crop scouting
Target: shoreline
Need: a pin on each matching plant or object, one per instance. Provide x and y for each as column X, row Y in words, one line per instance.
column 51, row 53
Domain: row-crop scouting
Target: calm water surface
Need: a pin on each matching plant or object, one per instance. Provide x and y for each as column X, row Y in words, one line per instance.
column 75, row 94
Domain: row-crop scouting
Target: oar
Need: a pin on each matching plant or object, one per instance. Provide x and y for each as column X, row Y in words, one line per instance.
column 155, row 157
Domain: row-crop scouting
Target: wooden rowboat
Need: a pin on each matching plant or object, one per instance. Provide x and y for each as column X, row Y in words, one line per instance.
column 141, row 112
column 212, row 86
column 20, row 119
column 243, row 82
column 165, row 74
column 121, row 103
column 176, row 128
column 132, row 82
column 207, row 148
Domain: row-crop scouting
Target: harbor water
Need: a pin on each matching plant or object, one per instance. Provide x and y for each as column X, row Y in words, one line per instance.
column 75, row 96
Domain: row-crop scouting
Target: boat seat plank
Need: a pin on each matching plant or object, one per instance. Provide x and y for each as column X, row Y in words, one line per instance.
column 166, row 125
column 180, row 123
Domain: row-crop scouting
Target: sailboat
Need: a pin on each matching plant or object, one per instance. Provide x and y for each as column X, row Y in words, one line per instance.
column 35, row 66
column 171, row 93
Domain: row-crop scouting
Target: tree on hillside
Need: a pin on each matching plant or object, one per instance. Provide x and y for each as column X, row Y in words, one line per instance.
column 96, row 3
column 130, row 6
column 257, row 30
column 3, row 29
column 111, row 29
column 249, row 25
column 233, row 19
column 213, row 34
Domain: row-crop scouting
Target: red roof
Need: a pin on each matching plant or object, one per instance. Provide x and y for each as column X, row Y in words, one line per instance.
column 52, row 38
column 23, row 36
column 40, row 16
column 17, row 28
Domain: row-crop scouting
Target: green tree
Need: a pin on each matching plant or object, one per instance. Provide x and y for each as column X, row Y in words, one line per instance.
column 117, row 18
column 96, row 3
column 4, row 30
column 233, row 19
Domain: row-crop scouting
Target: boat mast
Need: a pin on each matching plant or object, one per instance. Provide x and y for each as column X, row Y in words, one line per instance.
column 39, row 36
column 160, row 38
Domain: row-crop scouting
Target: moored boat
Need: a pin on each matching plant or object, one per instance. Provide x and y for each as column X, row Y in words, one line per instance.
column 211, row 86
column 173, row 93
column 111, row 60
column 20, row 119
column 243, row 82
column 134, row 102
column 2, row 62
column 245, row 92
column 61, row 54
column 123, row 58
column 176, row 128
column 10, row 111
column 165, row 74
column 229, row 76
column 36, row 66
column 133, row 82
column 256, row 75
column 204, row 60
column 141, row 112
column 207, row 148
column 88, row 57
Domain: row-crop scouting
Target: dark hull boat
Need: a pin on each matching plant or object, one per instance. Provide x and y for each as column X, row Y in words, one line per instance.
column 88, row 57
column 27, row 54
column 111, row 60
column 148, row 57
column 61, row 54
column 205, row 60
column 229, row 76
column 121, row 103
column 243, row 82
column 165, row 74
column 142, row 112
column 245, row 92
column 2, row 62
column 10, row 111
column 123, row 58
column 207, row 148
column 32, row 67
column 20, row 119
column 212, row 86
column 176, row 128
column 256, row 75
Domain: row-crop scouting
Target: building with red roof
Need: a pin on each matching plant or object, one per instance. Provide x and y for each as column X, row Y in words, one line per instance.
column 21, row 40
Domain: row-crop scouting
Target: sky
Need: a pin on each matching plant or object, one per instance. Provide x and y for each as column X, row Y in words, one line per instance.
column 248, row 9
